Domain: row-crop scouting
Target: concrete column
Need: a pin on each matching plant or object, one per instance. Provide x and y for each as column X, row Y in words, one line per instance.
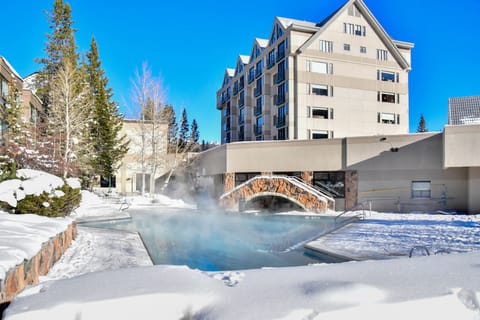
column 307, row 177
column 473, row 188
column 351, row 189
column 228, row 181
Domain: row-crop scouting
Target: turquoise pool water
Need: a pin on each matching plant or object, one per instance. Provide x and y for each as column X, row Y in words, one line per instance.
column 214, row 242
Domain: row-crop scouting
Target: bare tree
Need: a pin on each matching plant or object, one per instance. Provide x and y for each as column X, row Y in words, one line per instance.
column 68, row 114
column 148, row 98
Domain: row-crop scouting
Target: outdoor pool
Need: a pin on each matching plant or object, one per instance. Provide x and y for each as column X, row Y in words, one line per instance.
column 221, row 241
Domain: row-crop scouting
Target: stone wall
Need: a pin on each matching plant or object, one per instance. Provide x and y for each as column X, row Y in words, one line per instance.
column 351, row 189
column 272, row 186
column 28, row 272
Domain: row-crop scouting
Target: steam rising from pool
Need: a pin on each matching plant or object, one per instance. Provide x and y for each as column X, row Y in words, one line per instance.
column 212, row 240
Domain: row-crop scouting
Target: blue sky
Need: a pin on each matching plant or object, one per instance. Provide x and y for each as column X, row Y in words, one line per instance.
column 190, row 43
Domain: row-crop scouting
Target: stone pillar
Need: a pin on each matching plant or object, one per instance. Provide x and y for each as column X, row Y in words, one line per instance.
column 228, row 181
column 307, row 177
column 351, row 189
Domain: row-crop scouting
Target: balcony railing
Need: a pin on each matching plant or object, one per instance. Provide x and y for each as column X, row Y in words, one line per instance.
column 279, row 121
column 270, row 63
column 280, row 55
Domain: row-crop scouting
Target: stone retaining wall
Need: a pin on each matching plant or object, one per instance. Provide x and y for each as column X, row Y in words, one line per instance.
column 27, row 273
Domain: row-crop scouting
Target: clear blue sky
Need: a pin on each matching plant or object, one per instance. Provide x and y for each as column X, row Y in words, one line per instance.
column 190, row 43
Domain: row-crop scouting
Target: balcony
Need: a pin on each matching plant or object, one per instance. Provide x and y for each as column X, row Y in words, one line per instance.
column 278, row 99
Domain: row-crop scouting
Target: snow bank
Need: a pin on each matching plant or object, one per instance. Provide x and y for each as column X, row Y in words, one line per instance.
column 22, row 236
column 439, row 287
column 160, row 200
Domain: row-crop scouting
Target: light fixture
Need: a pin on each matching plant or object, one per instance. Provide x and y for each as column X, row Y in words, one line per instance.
column 392, row 148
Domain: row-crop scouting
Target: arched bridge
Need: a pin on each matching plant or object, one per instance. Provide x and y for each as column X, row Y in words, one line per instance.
column 291, row 188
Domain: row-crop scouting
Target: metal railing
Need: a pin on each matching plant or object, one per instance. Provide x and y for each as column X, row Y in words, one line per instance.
column 359, row 207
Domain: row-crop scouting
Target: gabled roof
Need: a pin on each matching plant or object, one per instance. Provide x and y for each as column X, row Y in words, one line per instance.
column 229, row 73
column 244, row 59
column 260, row 43
column 367, row 14
column 287, row 22
column 263, row 43
column 9, row 66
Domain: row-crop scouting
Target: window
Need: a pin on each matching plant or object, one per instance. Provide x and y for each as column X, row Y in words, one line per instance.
column 353, row 11
column 382, row 55
column 251, row 74
column 241, row 116
column 320, row 113
column 421, row 189
column 280, row 75
column 282, row 116
column 226, row 111
column 227, row 137
column 386, row 76
column 354, row 29
column 280, row 98
column 4, row 87
column 326, row 46
column 346, row 47
column 321, row 134
column 319, row 67
column 386, row 97
column 332, row 182
column 258, row 89
column 363, row 49
column 259, row 69
column 320, row 90
column 271, row 59
column 241, row 133
column 282, row 135
column 258, row 106
column 258, row 126
column 139, row 182
column 227, row 125
column 241, row 84
column 244, row 177
column 281, row 51
column 33, row 114
column 110, row 183
column 386, row 118
column 241, row 99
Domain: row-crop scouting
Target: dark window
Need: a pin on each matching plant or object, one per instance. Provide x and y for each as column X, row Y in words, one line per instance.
column 332, row 182
column 105, row 183
column 244, row 177
column 320, row 113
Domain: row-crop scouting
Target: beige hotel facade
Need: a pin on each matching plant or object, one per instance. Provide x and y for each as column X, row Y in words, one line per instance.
column 336, row 92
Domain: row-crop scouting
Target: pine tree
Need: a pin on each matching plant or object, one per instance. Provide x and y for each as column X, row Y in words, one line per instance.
column 108, row 146
column 422, row 126
column 169, row 116
column 194, row 136
column 183, row 136
column 60, row 46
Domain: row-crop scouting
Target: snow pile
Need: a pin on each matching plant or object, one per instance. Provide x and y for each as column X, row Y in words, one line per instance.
column 94, row 207
column 160, row 200
column 439, row 287
column 22, row 236
column 30, row 182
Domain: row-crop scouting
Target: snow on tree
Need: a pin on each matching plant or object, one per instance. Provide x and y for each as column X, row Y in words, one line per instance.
column 69, row 110
column 107, row 145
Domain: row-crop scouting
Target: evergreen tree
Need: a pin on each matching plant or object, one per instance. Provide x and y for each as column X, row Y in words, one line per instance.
column 108, row 146
column 168, row 115
column 60, row 46
column 183, row 136
column 194, row 136
column 422, row 126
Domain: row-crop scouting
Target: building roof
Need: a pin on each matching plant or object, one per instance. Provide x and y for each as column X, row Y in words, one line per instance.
column 9, row 66
column 287, row 22
column 263, row 43
column 244, row 59
column 464, row 110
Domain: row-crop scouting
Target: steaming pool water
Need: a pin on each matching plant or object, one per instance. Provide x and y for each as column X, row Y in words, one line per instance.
column 220, row 241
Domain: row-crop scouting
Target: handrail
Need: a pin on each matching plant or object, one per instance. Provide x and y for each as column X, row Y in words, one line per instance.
column 360, row 206
column 307, row 186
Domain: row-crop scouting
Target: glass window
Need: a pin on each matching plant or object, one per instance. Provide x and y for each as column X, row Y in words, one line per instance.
column 382, row 55
column 421, row 189
column 387, row 76
column 320, row 113
column 282, row 134
column 319, row 90
column 241, row 116
column 281, row 50
column 346, row 47
column 326, row 46
column 322, row 134
column 363, row 49
column 318, row 67
column 387, row 97
column 332, row 182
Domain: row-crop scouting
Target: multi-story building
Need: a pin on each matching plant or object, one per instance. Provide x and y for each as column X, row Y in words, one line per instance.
column 31, row 105
column 342, row 77
column 464, row 110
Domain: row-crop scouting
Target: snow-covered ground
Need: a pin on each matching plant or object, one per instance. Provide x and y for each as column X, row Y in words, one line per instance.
column 439, row 286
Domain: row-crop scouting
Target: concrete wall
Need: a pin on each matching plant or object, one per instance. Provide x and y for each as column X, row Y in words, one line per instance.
column 474, row 190
column 461, row 146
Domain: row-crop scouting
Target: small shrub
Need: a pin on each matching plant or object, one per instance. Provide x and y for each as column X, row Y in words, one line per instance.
column 46, row 205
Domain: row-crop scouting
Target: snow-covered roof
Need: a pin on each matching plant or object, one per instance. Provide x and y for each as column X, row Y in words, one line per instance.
column 286, row 22
column 230, row 72
column 244, row 59
column 262, row 42
column 11, row 68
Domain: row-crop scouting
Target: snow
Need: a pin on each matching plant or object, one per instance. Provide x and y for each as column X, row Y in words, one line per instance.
column 443, row 286
column 22, row 236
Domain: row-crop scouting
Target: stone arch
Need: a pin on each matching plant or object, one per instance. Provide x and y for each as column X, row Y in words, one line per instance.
column 275, row 194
